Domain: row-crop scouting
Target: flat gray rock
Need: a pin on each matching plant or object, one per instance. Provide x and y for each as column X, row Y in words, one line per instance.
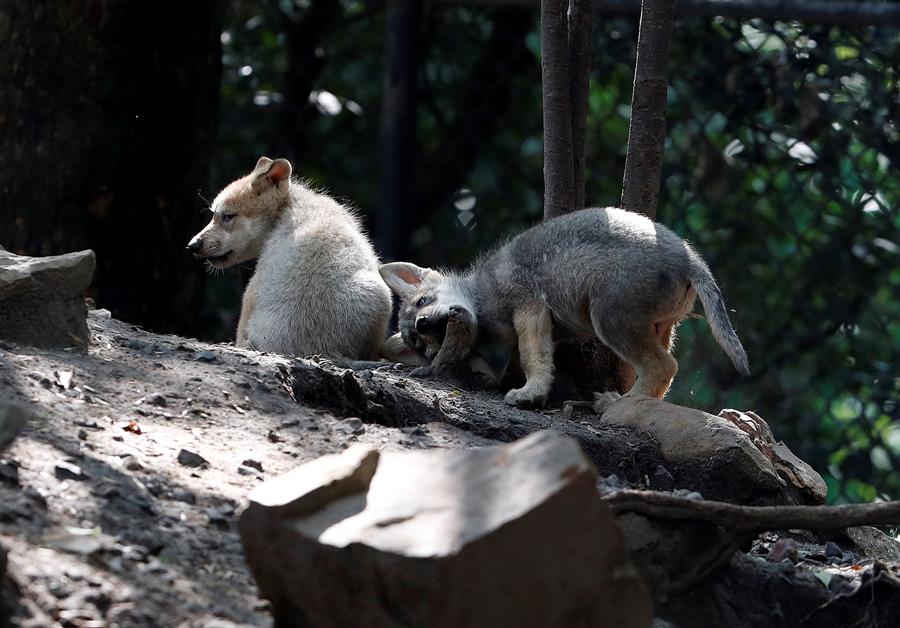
column 873, row 542
column 3, row 612
column 734, row 452
column 42, row 299
column 13, row 418
column 513, row 535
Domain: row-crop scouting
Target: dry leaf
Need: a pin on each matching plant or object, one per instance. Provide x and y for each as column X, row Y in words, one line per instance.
column 64, row 379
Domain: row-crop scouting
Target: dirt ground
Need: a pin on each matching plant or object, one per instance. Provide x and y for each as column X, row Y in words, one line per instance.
column 106, row 519
column 118, row 503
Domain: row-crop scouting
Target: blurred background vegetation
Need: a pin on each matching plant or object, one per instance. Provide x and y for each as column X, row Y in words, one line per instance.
column 782, row 166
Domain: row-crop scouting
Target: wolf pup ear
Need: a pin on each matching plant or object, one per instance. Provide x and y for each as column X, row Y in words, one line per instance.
column 270, row 174
column 403, row 277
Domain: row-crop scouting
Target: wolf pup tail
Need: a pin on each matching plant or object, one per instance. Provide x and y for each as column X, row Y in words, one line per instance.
column 717, row 314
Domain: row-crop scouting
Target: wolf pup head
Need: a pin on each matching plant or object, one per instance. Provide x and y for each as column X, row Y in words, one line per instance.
column 426, row 298
column 244, row 214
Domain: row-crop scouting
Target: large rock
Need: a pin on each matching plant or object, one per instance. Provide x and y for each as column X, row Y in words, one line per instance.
column 13, row 418
column 643, row 441
column 731, row 457
column 872, row 542
column 751, row 591
column 42, row 298
column 502, row 536
column 4, row 618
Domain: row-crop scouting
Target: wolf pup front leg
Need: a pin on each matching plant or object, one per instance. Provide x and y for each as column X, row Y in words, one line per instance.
column 452, row 359
column 248, row 304
column 534, row 330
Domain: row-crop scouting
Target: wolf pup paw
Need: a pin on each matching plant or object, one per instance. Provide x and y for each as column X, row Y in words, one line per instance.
column 525, row 397
column 421, row 371
column 461, row 317
column 602, row 401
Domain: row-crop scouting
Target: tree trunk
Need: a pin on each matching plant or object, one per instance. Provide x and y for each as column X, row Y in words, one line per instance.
column 580, row 24
column 586, row 365
column 398, row 123
column 647, row 131
column 107, row 117
column 559, row 182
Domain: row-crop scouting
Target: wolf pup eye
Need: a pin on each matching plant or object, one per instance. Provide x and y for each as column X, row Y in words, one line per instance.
column 227, row 218
column 421, row 301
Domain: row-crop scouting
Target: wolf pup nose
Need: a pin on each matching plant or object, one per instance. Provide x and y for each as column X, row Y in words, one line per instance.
column 606, row 273
column 316, row 289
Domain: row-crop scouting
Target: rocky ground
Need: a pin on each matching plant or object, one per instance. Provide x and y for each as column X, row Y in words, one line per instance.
column 117, row 505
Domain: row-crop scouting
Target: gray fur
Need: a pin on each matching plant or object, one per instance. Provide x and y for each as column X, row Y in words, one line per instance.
column 607, row 273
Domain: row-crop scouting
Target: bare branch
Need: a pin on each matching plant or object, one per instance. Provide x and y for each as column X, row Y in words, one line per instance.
column 647, row 130
column 843, row 12
column 579, row 88
column 737, row 518
column 558, row 175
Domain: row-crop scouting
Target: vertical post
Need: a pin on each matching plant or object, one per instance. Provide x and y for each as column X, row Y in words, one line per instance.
column 647, row 130
column 559, row 184
column 565, row 72
column 398, row 115
column 580, row 31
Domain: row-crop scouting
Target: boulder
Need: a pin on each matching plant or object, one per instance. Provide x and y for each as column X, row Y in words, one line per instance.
column 751, row 591
column 3, row 612
column 13, row 418
column 42, row 298
column 641, row 440
column 872, row 542
column 513, row 535
column 731, row 457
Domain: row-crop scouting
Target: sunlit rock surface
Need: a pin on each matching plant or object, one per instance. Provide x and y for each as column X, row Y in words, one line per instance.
column 730, row 457
column 42, row 299
column 500, row 536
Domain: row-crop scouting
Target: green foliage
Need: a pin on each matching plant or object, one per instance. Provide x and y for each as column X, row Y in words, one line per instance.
column 782, row 166
column 784, row 172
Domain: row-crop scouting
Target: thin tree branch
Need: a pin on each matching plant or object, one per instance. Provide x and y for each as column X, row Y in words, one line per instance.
column 842, row 12
column 647, row 130
column 558, row 173
column 580, row 24
column 754, row 519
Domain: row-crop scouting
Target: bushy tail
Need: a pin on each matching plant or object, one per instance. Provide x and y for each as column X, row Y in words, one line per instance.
column 717, row 314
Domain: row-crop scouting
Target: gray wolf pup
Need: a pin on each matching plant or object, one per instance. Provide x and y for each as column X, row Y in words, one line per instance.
column 608, row 273
column 316, row 289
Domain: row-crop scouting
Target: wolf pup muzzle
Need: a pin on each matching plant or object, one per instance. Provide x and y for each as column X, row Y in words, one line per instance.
column 434, row 326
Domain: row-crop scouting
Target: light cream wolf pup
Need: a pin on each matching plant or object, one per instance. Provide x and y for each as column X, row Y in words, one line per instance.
column 607, row 273
column 316, row 289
